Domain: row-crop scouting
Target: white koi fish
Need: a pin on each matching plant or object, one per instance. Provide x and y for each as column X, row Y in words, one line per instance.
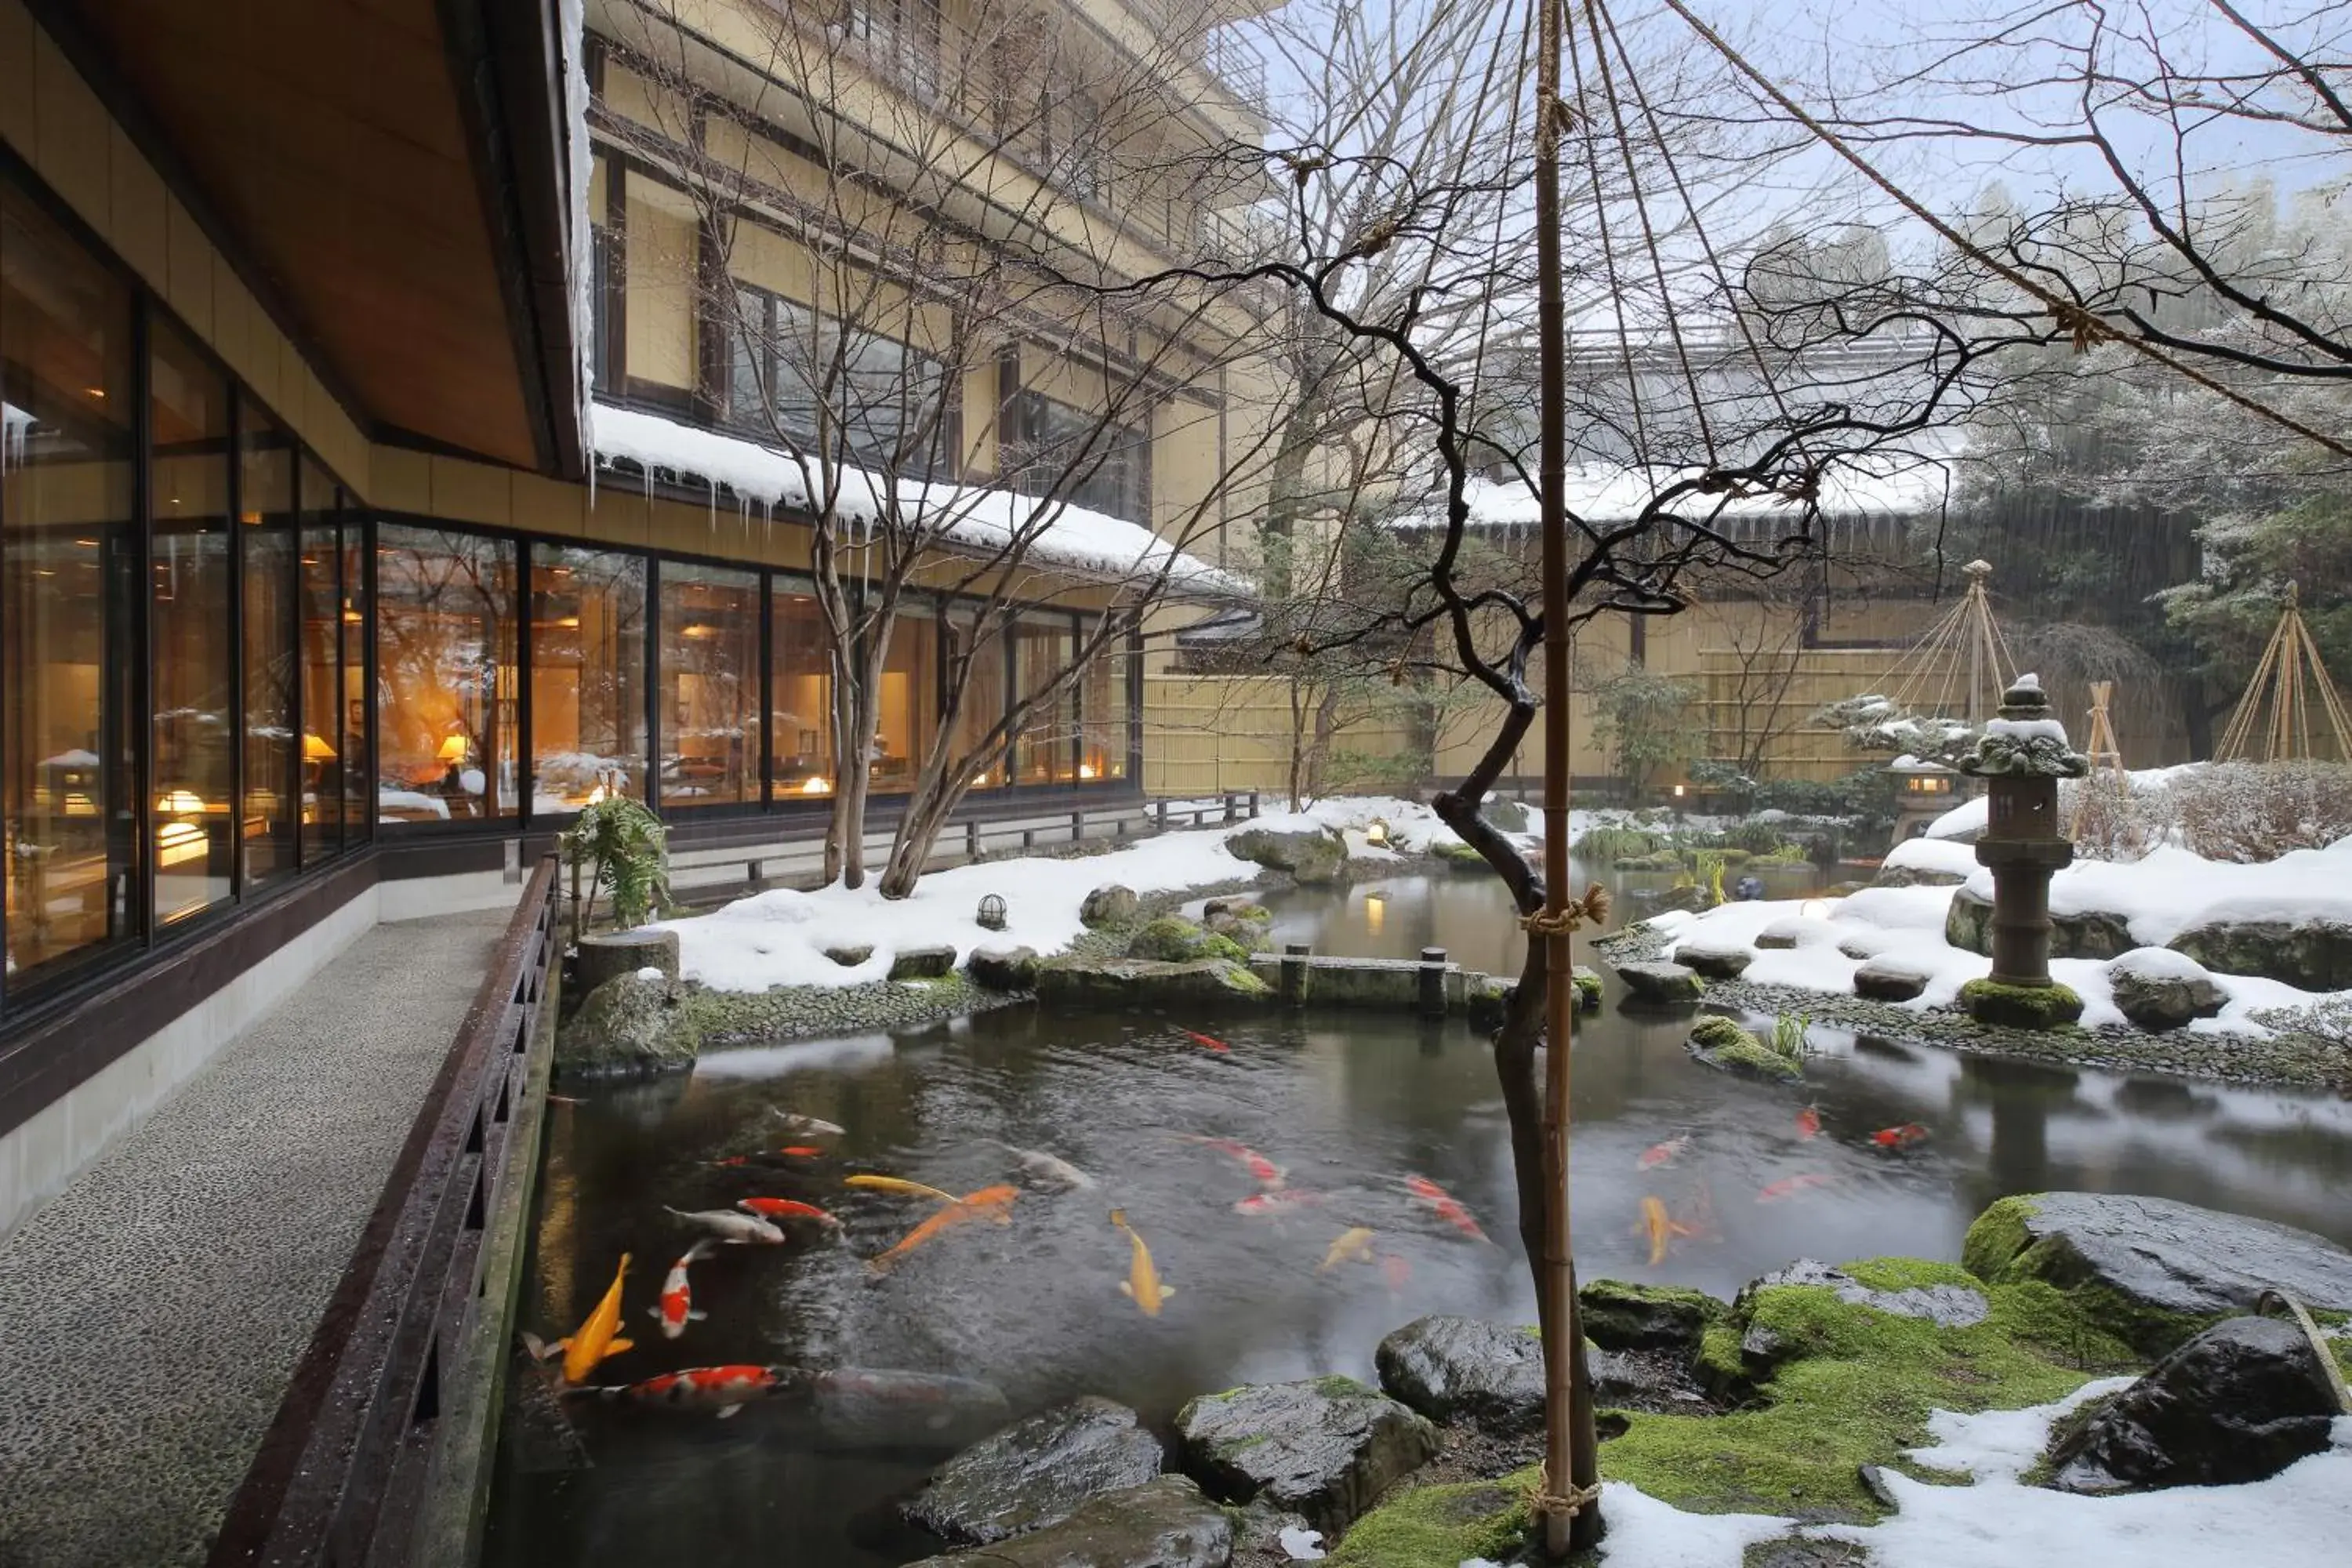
column 741, row 1229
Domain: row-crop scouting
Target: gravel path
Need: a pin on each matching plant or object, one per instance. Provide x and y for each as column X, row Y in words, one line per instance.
column 151, row 1313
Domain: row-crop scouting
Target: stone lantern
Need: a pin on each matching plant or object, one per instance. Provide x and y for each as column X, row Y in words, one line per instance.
column 2021, row 756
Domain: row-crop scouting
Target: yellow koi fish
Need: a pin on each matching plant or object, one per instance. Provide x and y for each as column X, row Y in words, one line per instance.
column 989, row 1203
column 1354, row 1246
column 1661, row 1229
column 902, row 1188
column 594, row 1341
column 1142, row 1285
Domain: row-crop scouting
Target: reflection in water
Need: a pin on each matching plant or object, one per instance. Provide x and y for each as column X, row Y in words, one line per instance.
column 1349, row 1104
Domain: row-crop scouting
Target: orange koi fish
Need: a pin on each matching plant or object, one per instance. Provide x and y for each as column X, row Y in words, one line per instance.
column 1789, row 1186
column 1444, row 1205
column 1664, row 1153
column 725, row 1389
column 1142, row 1285
column 1266, row 1205
column 775, row 1209
column 1661, row 1227
column 1808, row 1124
column 594, row 1341
column 899, row 1187
column 989, row 1203
column 676, row 1309
column 1902, row 1137
column 1267, row 1174
column 1397, row 1271
column 1204, row 1041
column 802, row 1150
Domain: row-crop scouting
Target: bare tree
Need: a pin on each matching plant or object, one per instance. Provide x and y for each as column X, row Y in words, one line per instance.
column 908, row 230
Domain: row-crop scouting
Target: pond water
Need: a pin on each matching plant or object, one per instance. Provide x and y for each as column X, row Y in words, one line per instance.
column 1349, row 1106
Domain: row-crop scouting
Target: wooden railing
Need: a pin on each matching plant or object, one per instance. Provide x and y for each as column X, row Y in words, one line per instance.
column 340, row 1478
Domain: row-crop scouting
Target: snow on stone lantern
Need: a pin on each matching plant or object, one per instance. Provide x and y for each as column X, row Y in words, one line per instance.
column 2021, row 756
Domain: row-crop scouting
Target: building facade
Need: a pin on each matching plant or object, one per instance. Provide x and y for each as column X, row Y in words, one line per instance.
column 315, row 582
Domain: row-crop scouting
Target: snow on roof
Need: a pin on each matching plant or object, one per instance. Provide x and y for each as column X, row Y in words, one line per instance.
column 1880, row 484
column 971, row 516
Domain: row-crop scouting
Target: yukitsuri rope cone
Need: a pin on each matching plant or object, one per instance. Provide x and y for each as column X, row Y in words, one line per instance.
column 2273, row 719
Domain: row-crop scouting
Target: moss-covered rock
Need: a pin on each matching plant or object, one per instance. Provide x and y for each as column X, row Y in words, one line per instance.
column 1458, row 854
column 1171, row 939
column 1312, row 856
column 2020, row 1007
column 633, row 1023
column 2093, row 1246
column 1116, row 982
column 1587, row 986
column 1852, row 1386
column 1650, row 982
column 2314, row 954
column 1003, row 969
column 1619, row 1315
column 1719, row 1042
column 1441, row 1526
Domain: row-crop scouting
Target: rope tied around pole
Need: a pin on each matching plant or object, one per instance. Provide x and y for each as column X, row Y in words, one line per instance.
column 1543, row 1502
column 2084, row 326
column 2275, row 1296
column 1593, row 907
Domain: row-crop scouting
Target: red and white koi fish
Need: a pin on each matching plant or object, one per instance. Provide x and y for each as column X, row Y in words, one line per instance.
column 777, row 1210
column 1808, row 1124
column 728, row 1226
column 1444, row 1205
column 1205, row 1042
column 1902, row 1137
column 676, row 1309
column 1789, row 1186
column 1273, row 1205
column 722, row 1389
column 1664, row 1153
column 1267, row 1174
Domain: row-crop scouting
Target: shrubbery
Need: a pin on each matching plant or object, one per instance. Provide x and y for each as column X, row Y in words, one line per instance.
column 2241, row 812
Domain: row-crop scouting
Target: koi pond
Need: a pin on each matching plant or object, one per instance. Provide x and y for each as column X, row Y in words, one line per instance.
column 1176, row 1133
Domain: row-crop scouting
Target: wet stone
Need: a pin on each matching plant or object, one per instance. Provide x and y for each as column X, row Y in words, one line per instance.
column 2157, row 1253
column 1449, row 1368
column 1715, row 963
column 850, row 955
column 2238, row 1403
column 1003, row 968
column 1325, row 1448
column 923, row 963
column 1035, row 1473
column 1658, row 983
column 1619, row 1316
column 1109, row 905
column 1885, row 979
column 1312, row 856
column 1946, row 1306
column 631, row 1024
column 1164, row 1523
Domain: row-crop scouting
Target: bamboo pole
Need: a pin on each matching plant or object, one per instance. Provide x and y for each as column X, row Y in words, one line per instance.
column 1569, row 1509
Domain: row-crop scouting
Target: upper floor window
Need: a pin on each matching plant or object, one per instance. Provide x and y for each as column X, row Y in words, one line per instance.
column 1086, row 459
column 903, row 35
column 828, row 391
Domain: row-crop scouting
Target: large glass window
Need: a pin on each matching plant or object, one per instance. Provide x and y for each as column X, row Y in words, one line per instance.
column 1051, row 448
column 358, row 805
column 851, row 394
column 334, row 730
column 800, row 726
column 196, row 727
column 1042, row 646
column 982, row 707
column 587, row 677
column 70, row 590
column 909, row 696
column 265, row 503
column 445, row 675
column 709, row 685
column 1105, row 707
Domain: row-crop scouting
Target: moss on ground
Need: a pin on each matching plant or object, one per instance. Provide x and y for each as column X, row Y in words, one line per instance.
column 1171, row 938
column 1441, row 1526
column 1735, row 1049
column 1856, row 1389
column 1717, row 1033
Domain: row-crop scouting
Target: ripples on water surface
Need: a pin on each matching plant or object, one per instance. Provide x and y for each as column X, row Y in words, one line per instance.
column 1348, row 1105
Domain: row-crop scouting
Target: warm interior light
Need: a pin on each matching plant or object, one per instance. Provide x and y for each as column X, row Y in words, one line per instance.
column 180, row 803
column 1377, row 834
column 1085, row 770
column 1376, row 909
column 817, row 786
column 1678, row 792
column 697, row 629
column 571, row 622
column 97, row 392
column 250, row 517
column 179, row 841
column 453, row 749
column 316, row 749
column 85, row 545
column 595, row 794
column 352, row 616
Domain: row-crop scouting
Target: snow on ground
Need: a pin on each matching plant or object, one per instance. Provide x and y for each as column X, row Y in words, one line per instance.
column 779, row 938
column 2171, row 890
column 2302, row 1515
column 1935, row 855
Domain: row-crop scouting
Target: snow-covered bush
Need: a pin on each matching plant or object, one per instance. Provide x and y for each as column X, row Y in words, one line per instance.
column 2252, row 812
column 1874, row 723
column 2115, row 819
